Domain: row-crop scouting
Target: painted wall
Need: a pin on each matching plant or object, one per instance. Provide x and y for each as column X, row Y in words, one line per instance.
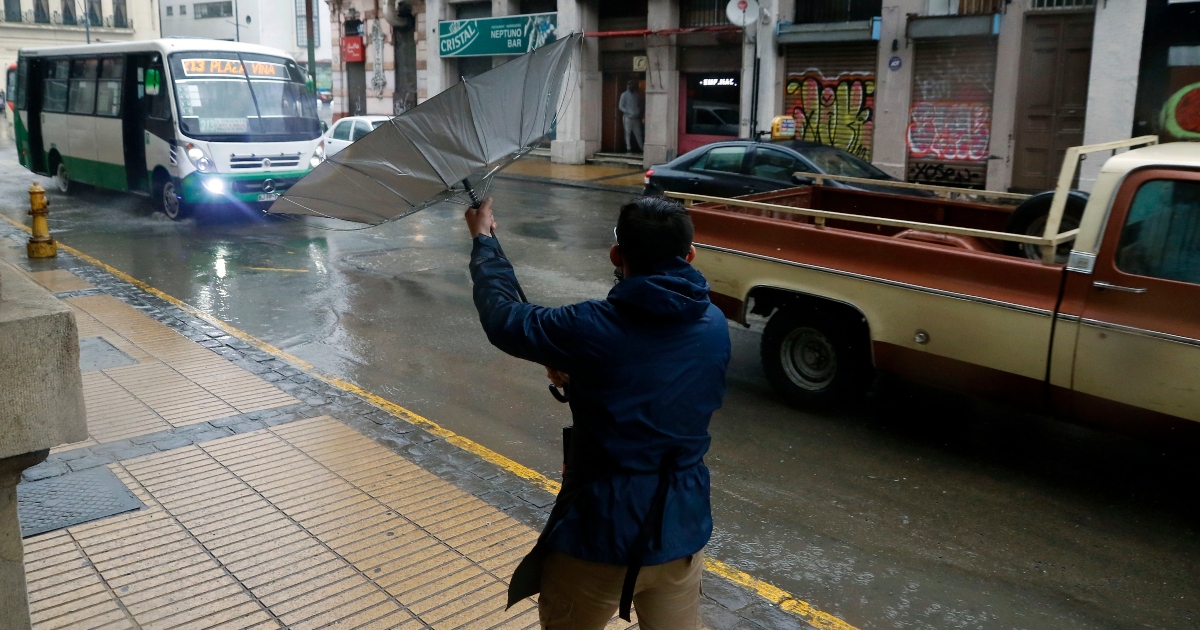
column 838, row 111
column 143, row 16
column 1112, row 87
column 893, row 88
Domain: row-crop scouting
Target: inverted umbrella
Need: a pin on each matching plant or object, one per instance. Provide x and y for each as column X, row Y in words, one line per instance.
column 442, row 148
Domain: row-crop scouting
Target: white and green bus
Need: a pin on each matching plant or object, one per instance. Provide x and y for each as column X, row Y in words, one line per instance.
column 192, row 123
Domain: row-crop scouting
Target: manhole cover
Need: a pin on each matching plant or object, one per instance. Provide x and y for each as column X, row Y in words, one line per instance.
column 95, row 353
column 58, row 502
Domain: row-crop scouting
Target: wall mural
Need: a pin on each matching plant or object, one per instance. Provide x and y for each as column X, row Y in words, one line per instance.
column 1181, row 114
column 949, row 131
column 839, row 112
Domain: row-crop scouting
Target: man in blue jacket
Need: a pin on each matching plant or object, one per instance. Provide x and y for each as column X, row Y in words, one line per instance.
column 645, row 370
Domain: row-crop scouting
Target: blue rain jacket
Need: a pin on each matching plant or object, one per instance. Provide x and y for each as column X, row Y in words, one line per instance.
column 647, row 368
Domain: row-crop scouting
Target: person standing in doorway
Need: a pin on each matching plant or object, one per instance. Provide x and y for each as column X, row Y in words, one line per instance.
column 630, row 106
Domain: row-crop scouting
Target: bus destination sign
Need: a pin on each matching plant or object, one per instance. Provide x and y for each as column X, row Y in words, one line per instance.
column 233, row 68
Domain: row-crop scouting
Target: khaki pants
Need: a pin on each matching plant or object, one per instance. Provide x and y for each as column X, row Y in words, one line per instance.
column 582, row 595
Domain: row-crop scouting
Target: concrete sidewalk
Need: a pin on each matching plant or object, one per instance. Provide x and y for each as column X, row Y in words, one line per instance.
column 613, row 177
column 273, row 498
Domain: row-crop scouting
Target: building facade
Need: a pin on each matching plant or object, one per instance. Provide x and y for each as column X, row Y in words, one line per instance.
column 32, row 23
column 975, row 93
column 276, row 23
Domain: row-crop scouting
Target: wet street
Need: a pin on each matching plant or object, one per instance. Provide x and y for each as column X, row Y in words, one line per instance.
column 913, row 509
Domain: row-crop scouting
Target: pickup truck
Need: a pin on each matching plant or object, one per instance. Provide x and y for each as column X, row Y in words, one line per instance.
column 932, row 290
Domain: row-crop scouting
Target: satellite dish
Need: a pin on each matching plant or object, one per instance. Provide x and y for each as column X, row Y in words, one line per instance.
column 743, row 13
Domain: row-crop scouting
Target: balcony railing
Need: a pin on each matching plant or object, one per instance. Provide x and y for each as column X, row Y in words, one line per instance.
column 818, row 11
column 963, row 7
column 980, row 7
column 41, row 15
column 696, row 13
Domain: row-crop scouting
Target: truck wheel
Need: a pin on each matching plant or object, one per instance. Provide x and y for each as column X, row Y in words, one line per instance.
column 1030, row 219
column 812, row 357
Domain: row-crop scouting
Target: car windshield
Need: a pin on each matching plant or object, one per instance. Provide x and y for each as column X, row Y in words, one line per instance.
column 834, row 161
column 242, row 97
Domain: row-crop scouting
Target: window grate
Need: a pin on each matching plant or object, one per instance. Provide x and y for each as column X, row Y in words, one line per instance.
column 302, row 31
column 1059, row 5
column 694, row 13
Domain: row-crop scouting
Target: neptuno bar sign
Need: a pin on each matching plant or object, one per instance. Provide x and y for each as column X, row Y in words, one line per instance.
column 507, row 35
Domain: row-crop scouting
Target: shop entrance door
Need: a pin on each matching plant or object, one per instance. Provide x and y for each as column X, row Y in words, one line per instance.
column 612, row 129
column 1056, row 57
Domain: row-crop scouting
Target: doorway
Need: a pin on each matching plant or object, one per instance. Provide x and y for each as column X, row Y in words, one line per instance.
column 1056, row 58
column 133, row 124
column 612, row 129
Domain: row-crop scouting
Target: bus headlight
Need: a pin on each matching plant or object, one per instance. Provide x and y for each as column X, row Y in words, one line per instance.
column 198, row 158
column 215, row 185
column 318, row 155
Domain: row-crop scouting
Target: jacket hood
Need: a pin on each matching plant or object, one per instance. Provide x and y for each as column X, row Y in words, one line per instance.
column 674, row 290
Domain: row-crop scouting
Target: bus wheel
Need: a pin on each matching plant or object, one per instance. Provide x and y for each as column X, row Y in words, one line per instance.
column 812, row 356
column 63, row 181
column 168, row 200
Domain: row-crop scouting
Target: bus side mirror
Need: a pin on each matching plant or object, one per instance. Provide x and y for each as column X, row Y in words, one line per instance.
column 324, row 126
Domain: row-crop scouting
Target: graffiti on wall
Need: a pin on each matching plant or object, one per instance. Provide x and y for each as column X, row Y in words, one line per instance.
column 1181, row 114
column 948, row 142
column 839, row 112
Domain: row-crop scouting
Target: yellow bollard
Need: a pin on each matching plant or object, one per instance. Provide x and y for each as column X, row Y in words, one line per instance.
column 40, row 245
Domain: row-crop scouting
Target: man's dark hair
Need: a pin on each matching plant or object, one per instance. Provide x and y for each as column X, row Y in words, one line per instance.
column 651, row 230
column 631, row 85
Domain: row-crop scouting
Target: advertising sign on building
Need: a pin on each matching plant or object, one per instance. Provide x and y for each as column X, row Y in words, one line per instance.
column 352, row 49
column 509, row 35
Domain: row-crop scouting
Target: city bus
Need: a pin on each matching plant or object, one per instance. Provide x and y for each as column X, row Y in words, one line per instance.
column 194, row 124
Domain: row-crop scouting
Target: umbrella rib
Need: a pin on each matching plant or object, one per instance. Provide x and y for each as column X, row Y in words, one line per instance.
column 417, row 149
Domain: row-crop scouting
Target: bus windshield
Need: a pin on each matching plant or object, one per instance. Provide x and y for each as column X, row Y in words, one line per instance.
column 242, row 97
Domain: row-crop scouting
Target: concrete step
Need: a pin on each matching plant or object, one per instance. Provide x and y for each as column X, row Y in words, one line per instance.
column 625, row 159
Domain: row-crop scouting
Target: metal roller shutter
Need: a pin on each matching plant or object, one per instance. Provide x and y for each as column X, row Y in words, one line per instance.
column 950, row 117
column 830, row 91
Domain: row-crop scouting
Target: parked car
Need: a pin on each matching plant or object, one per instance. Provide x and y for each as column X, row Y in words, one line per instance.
column 713, row 118
column 324, row 96
column 349, row 129
column 742, row 167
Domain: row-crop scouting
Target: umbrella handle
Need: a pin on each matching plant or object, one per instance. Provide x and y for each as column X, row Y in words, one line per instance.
column 475, row 203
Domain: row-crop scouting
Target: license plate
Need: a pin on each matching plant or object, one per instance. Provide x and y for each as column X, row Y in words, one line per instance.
column 268, row 196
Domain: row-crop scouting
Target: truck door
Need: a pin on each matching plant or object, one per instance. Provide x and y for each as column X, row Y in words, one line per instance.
column 1139, row 333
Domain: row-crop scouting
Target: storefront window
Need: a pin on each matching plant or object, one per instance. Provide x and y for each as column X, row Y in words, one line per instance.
column 713, row 104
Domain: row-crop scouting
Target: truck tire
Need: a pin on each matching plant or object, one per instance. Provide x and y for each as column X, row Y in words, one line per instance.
column 813, row 356
column 1030, row 219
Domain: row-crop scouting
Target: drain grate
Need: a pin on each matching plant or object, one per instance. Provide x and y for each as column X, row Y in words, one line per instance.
column 59, row 502
column 95, row 353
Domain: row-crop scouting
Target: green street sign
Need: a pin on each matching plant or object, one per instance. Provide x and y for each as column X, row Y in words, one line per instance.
column 509, row 35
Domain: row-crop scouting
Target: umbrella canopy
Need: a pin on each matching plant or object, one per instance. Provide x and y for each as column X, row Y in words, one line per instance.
column 421, row 157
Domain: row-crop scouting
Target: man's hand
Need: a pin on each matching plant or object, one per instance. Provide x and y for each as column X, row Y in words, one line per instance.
column 558, row 378
column 480, row 220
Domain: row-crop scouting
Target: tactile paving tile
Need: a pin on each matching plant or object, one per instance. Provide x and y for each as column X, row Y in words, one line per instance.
column 96, row 353
column 80, row 497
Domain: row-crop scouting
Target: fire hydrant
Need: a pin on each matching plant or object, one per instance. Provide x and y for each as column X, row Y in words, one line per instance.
column 40, row 245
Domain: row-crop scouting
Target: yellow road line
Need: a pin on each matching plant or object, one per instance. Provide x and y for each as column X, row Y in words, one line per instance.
column 785, row 600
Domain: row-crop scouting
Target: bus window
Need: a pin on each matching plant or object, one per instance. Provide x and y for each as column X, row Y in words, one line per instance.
column 18, row 95
column 108, row 91
column 221, row 95
column 82, row 99
column 158, row 105
column 55, row 98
